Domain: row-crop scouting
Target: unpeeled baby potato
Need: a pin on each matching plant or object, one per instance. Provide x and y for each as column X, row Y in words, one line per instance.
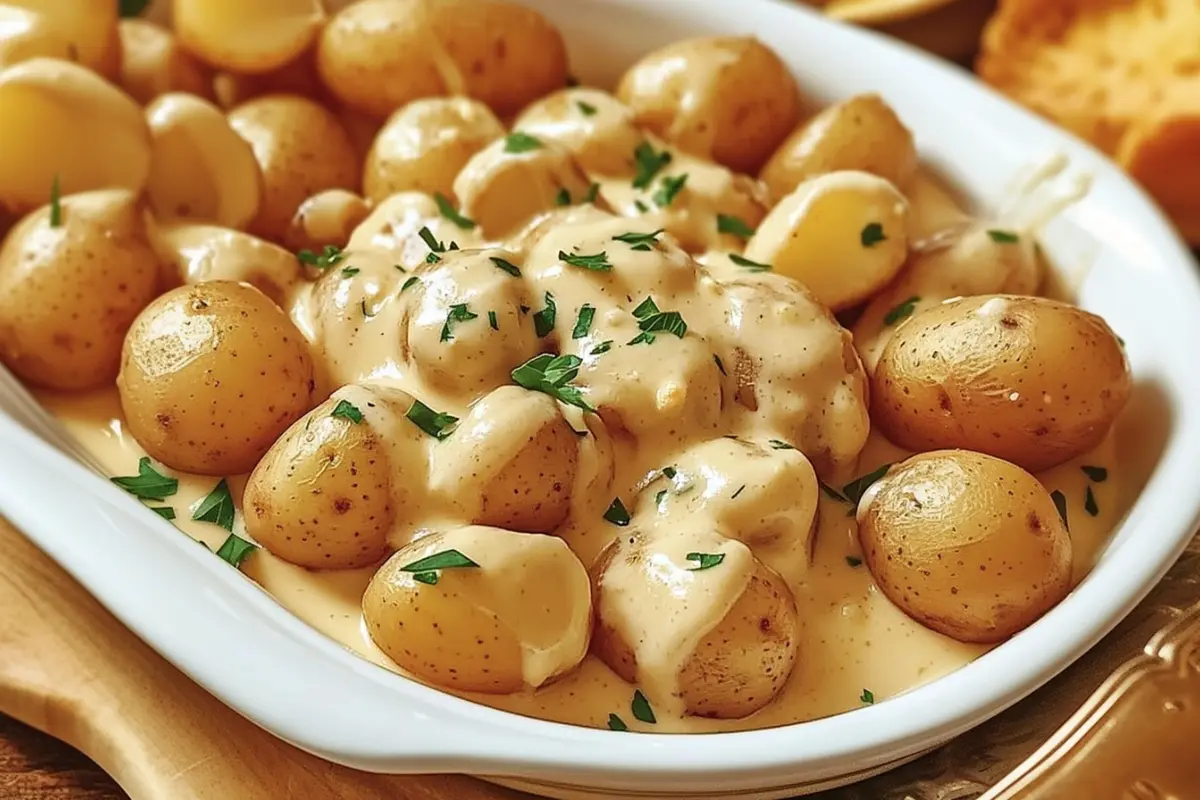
column 598, row 129
column 301, row 149
column 378, row 55
column 69, row 292
column 202, row 253
column 1026, row 379
column 211, row 375
column 153, row 63
column 841, row 234
column 862, row 133
column 727, row 98
column 247, row 37
column 328, row 218
column 200, row 170
column 63, row 121
column 82, row 31
column 520, row 617
column 424, row 145
column 966, row 544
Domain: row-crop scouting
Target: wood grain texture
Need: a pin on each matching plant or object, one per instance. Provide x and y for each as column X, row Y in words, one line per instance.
column 71, row 669
column 34, row 766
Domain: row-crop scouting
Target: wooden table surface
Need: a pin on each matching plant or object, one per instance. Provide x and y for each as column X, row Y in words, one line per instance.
column 34, row 766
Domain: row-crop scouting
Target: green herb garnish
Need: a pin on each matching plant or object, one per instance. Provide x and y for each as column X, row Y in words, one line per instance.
column 872, row 234
column 867, row 697
column 1097, row 474
column 518, row 142
column 408, row 284
column 902, row 311
column 741, row 489
column 752, row 266
column 705, row 560
column 166, row 512
column 347, row 410
column 447, row 210
column 131, row 8
column 435, row 247
column 1089, row 503
column 459, row 312
column 854, row 490
column 1003, row 237
column 639, row 241
column 217, row 507
column 834, row 493
column 563, row 198
column 618, row 515
column 1060, row 503
column 543, row 321
column 583, row 323
column 328, row 257
column 350, row 272
column 734, row 225
column 779, row 444
column 641, row 708
column 668, row 189
column 434, row 423
column 234, row 550
column 615, row 723
column 648, row 164
column 592, row 193
column 587, row 109
column 425, row 570
column 596, row 262
column 149, row 483
column 720, row 364
column 55, row 202
column 362, row 304
column 854, row 561
column 640, row 206
column 552, row 375
column 507, row 266
column 601, row 348
column 492, row 321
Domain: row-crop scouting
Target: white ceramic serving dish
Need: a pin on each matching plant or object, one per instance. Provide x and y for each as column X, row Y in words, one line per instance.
column 232, row 638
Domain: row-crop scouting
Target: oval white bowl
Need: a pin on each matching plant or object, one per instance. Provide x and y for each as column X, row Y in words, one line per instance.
column 237, row 642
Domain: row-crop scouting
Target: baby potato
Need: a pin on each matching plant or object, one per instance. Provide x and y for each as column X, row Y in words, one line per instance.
column 514, row 179
column 296, row 77
column 719, row 640
column 425, row 144
column 727, row 98
column 395, row 227
column 328, row 493
column 507, row 611
column 153, row 63
column 966, row 544
column 596, row 127
column 1030, row 380
column 69, row 290
column 81, row 31
column 518, row 455
column 862, row 133
column 301, row 149
column 243, row 37
column 841, row 234
column 47, row 106
column 327, row 218
column 203, row 253
column 200, row 170
column 211, row 375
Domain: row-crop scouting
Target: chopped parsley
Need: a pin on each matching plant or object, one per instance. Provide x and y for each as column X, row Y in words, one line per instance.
column 328, row 257
column 601, row 348
column 592, row 193
column 55, row 202
column 132, row 8
column 234, row 550
column 618, row 515
column 149, row 483
column 867, row 697
column 1060, row 503
column 583, row 323
column 872, row 234
column 641, row 708
column 563, row 198
column 648, row 164
column 720, row 364
column 459, row 312
column 855, row 489
column 1097, row 474
column 854, row 561
column 734, row 225
column 350, row 272
column 425, row 570
column 543, row 321
column 902, row 311
column 435, row 247
column 639, row 241
column 492, row 321
column 659, row 497
column 507, row 266
column 518, row 142
column 615, row 723
column 833, row 493
column 596, row 262
column 640, row 206
column 587, row 109
column 362, row 304
column 434, row 423
column 779, row 444
column 751, row 266
column 447, row 210
column 552, row 375
column 1003, row 237
column 669, row 473
column 651, row 321
column 705, row 560
column 1089, row 503
column 166, row 512
column 347, row 410
column 408, row 284
column 217, row 507
column 668, row 189
column 741, row 489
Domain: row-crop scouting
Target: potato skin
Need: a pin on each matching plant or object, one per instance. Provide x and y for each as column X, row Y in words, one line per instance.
column 1026, row 379
column 68, row 294
column 211, row 375
column 82, row 31
column 966, row 544
column 153, row 63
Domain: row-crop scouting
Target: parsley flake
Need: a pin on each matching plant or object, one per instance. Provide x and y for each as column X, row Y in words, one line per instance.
column 720, row 364
column 234, row 550
column 149, row 483
column 459, row 312
column 543, row 321
column 552, row 375
column 741, row 489
column 705, row 560
column 648, row 164
column 408, row 284
column 347, row 410
column 1089, row 503
column 596, row 262
column 854, row 561
column 131, row 8
column 350, row 272
column 518, row 142
column 563, row 198
column 434, row 423
column 507, row 266
column 641, row 708
column 587, row 109
column 855, row 489
column 1097, row 474
column 750, row 266
column 867, row 697
column 217, row 507
column 583, row 323
column 1060, row 503
column 55, row 202
column 668, row 189
column 492, row 321
column 779, row 444
column 426, row 570
column 618, row 515
column 833, row 493
column 592, row 193
column 902, row 311
column 447, row 210
column 734, row 225
column 615, row 723
column 601, row 348
column 328, row 257
column 166, row 512
column 639, row 241
column 872, row 234
column 1003, row 237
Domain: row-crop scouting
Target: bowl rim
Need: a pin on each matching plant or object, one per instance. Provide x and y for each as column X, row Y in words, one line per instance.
column 237, row 642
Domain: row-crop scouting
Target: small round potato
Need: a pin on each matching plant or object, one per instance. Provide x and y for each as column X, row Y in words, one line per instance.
column 737, row 615
column 727, row 98
column 48, row 106
column 153, row 64
column 69, row 291
column 200, row 170
column 378, row 55
column 82, row 31
column 211, row 375
column 1029, row 380
column 510, row 610
column 247, row 37
column 966, row 544
column 841, row 234
column 301, row 149
column 327, row 494
column 518, row 455
column 424, row 145
column 862, row 133
column 596, row 127
column 395, row 227
column 327, row 218
column 202, row 253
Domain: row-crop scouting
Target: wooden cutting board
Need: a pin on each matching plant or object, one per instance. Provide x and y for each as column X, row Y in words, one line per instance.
column 69, row 668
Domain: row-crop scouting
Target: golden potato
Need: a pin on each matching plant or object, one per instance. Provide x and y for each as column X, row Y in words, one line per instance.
column 327, row 218
column 247, row 37
column 153, row 63
column 297, row 77
column 596, row 127
column 48, row 106
column 82, row 31
column 330, row 491
column 507, row 610
column 518, row 455
column 200, row 170
column 966, row 544
column 728, row 98
column 202, row 253
column 841, row 234
column 301, row 149
column 70, row 288
column 722, row 637
column 395, row 226
column 861, row 133
column 425, row 144
column 211, row 375
column 378, row 55
column 1029, row 380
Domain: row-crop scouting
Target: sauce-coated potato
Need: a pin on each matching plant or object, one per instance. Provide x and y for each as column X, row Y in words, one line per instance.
column 328, row 493
column 211, row 375
column 327, row 218
column 424, row 145
column 1026, row 379
column 596, row 127
column 247, row 37
column 47, row 106
column 153, row 63
column 520, row 617
column 378, row 55
column 202, row 253
column 69, row 292
column 841, row 234
column 966, row 544
column 726, row 98
column 395, row 227
column 200, row 170
column 301, row 149
column 519, row 456
column 82, row 31
column 861, row 133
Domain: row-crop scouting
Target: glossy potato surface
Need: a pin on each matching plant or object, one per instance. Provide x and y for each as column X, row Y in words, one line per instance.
column 247, row 37
column 82, row 31
column 154, row 63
